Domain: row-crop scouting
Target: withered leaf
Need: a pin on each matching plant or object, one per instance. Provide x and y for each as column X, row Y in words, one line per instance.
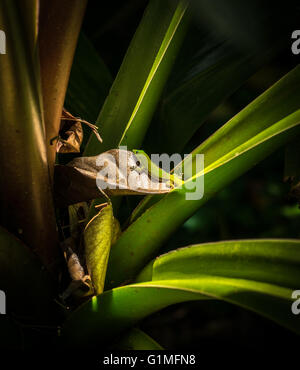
column 113, row 172
column 71, row 134
column 75, row 267
column 81, row 286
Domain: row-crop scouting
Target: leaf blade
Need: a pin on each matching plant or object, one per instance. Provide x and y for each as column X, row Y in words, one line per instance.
column 112, row 312
column 273, row 261
column 137, row 340
column 142, row 63
column 223, row 163
column 97, row 239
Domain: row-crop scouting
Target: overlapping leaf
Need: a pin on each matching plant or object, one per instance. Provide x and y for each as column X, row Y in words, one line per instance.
column 141, row 78
column 259, row 275
column 272, row 261
column 267, row 123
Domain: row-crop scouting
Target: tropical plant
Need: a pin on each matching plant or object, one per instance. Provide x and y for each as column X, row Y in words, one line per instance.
column 154, row 103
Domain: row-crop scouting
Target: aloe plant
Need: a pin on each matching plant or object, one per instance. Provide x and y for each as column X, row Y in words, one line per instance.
column 119, row 274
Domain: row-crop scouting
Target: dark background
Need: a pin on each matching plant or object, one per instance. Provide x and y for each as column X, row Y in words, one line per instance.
column 258, row 204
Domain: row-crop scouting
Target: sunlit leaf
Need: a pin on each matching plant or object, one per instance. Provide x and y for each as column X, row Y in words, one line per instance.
column 97, row 241
column 201, row 82
column 115, row 311
column 142, row 76
column 263, row 126
column 137, row 340
column 274, row 261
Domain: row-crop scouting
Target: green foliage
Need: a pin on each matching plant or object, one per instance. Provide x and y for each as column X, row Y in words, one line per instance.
column 141, row 78
column 132, row 279
column 225, row 160
column 254, row 274
column 136, row 339
column 97, row 239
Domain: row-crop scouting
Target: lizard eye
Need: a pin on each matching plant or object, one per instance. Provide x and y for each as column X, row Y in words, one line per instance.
column 138, row 163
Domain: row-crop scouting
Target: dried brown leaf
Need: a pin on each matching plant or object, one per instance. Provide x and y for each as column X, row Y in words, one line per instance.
column 71, row 134
column 75, row 268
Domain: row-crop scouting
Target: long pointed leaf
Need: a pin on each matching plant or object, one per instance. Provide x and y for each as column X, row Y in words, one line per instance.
column 204, row 85
column 231, row 151
column 273, row 261
column 121, row 308
column 274, row 104
column 259, row 275
column 141, row 78
column 137, row 340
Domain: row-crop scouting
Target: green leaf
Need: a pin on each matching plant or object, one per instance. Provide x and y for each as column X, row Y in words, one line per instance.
column 89, row 82
column 273, row 261
column 137, row 340
column 259, row 275
column 141, row 78
column 276, row 103
column 258, row 130
column 205, row 81
column 116, row 232
column 105, row 316
column 97, row 239
column 28, row 288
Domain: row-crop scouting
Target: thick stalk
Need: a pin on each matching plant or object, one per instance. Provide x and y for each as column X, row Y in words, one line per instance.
column 60, row 23
column 25, row 194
